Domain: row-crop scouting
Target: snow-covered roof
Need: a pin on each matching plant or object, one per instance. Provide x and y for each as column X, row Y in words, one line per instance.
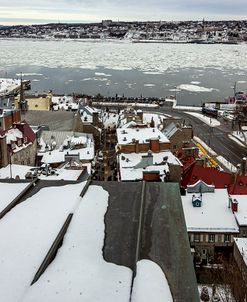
column 8, row 85
column 170, row 130
column 62, row 99
column 63, row 143
column 143, row 135
column 9, row 191
column 150, row 283
column 12, row 135
column 132, row 165
column 157, row 118
column 79, row 271
column 87, row 112
column 25, row 236
column 241, row 214
column 58, row 156
column 110, row 119
column 214, row 215
column 241, row 244
column 63, row 173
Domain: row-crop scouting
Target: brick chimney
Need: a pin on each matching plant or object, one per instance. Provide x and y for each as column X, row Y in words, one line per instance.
column 234, row 205
column 155, row 145
column 95, row 118
column 137, row 148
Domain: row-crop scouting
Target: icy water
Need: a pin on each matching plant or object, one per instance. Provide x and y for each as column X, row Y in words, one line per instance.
column 198, row 73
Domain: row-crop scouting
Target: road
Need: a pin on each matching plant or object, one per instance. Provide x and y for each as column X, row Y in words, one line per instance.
column 215, row 137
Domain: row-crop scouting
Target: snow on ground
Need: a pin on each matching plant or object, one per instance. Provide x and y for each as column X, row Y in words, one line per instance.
column 222, row 292
column 150, row 283
column 226, row 163
column 219, row 158
column 79, row 271
column 124, row 104
column 9, row 192
column 195, row 88
column 184, row 108
column 26, row 234
column 204, row 145
column 236, row 140
column 212, row 122
column 242, row 136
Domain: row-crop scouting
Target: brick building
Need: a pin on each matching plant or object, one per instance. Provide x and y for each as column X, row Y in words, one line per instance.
column 18, row 145
column 210, row 220
column 141, row 140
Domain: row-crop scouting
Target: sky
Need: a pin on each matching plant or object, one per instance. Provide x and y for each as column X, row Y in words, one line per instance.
column 46, row 11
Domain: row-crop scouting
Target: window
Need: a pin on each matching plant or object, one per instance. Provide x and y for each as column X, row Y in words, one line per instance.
column 197, row 237
column 227, row 238
column 211, row 238
column 25, row 140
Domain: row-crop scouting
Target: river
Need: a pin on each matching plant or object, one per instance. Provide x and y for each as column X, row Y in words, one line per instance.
column 195, row 73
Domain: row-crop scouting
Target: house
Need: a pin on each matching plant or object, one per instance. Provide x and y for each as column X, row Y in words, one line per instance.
column 36, row 102
column 149, row 166
column 178, row 135
column 18, row 144
column 59, row 147
column 8, row 117
column 141, row 140
column 210, row 220
column 95, row 226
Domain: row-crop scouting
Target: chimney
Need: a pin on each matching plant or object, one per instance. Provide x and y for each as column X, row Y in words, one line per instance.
column 137, row 149
column 243, row 166
column 234, row 205
column 95, row 119
column 155, row 145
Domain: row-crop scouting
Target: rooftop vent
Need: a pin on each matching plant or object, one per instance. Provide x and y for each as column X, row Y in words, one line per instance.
column 196, row 201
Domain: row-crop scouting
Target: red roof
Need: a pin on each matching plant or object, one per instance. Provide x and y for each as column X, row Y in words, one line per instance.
column 26, row 130
column 210, row 176
column 237, row 185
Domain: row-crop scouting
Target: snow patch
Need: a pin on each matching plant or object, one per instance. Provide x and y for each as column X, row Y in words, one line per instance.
column 150, row 283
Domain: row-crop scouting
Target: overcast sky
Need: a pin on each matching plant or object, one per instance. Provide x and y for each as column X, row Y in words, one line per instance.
column 44, row 11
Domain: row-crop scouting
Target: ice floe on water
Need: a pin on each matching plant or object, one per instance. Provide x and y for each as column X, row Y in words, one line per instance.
column 152, row 72
column 195, row 88
column 28, row 74
column 151, row 58
column 195, row 82
column 149, row 85
column 102, row 74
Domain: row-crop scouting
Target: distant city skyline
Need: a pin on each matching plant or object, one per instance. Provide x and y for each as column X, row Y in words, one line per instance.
column 82, row 11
